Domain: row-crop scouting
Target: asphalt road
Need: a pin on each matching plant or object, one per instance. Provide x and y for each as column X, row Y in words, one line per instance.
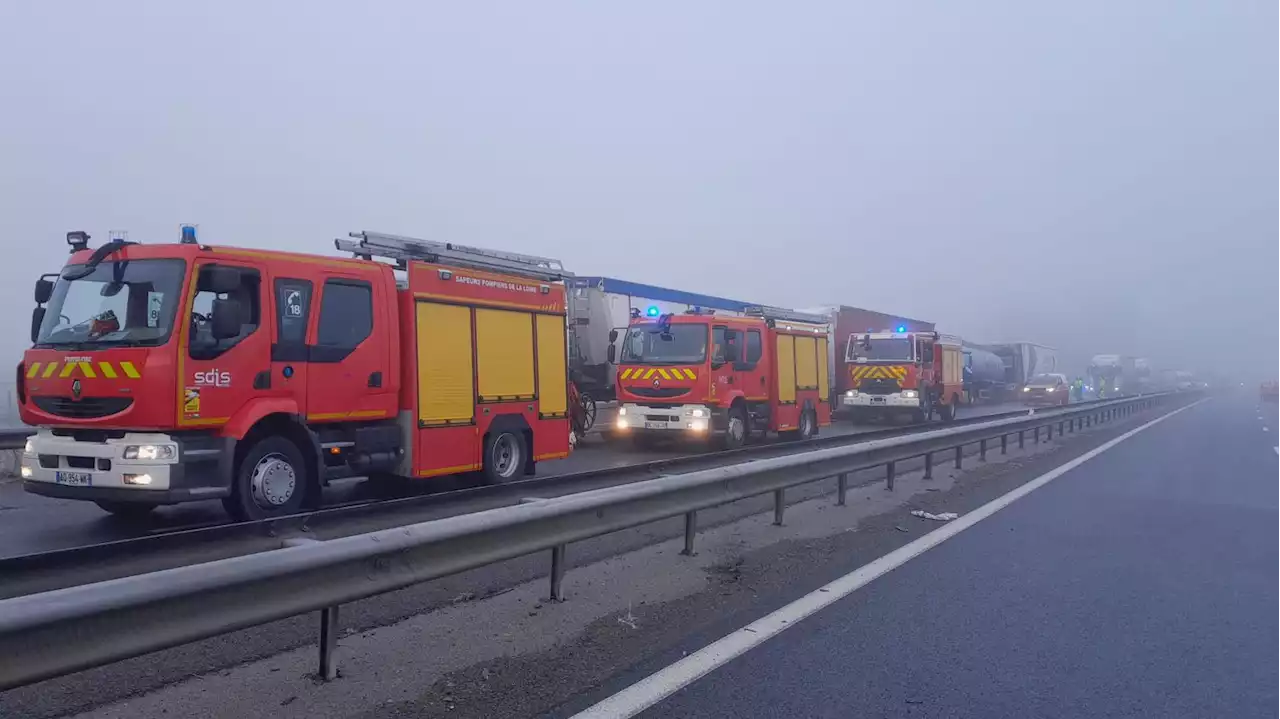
column 30, row 523
column 1142, row 583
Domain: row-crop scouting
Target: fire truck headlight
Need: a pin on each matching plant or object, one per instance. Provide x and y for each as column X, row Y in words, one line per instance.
column 909, row 393
column 622, row 423
column 699, row 412
column 622, row 411
column 29, row 448
column 851, row 393
column 1026, row 389
column 150, row 451
column 698, row 425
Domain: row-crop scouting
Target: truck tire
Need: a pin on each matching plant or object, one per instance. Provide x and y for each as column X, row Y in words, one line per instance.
column 736, row 427
column 270, row 481
column 808, row 424
column 505, row 453
column 126, row 510
column 947, row 412
column 925, row 413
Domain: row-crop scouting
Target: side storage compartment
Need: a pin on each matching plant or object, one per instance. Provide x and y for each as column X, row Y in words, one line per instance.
column 446, row 435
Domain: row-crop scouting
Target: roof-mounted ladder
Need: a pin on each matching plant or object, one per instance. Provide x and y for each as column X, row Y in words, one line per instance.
column 368, row 245
column 785, row 315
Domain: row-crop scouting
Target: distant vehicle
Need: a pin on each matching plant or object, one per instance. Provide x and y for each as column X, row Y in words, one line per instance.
column 599, row 305
column 1022, row 361
column 698, row 374
column 1112, row 375
column 1270, row 391
column 1047, row 389
column 917, row 374
column 843, row 322
column 984, row 375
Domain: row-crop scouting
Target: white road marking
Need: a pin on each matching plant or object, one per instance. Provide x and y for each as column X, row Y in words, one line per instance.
column 666, row 681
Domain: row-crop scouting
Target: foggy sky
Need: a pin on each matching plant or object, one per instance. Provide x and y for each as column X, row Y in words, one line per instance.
column 1098, row 176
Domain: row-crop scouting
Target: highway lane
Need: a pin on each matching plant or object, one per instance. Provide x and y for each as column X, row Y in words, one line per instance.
column 29, row 523
column 1142, row 583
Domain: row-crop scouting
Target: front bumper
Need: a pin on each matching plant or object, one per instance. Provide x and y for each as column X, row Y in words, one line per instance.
column 897, row 400
column 1045, row 397
column 67, row 468
column 692, row 419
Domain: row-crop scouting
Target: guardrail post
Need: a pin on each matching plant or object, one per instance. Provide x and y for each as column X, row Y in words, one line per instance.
column 1037, row 440
column 328, row 642
column 982, row 450
column 557, row 573
column 1022, row 439
column 842, row 488
column 888, row 475
column 1060, row 425
column 959, row 457
column 1049, row 432
column 779, row 506
column 690, row 529
column 928, row 465
column 1004, row 444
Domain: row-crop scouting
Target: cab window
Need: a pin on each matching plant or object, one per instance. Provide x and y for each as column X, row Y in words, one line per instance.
column 755, row 350
column 239, row 298
column 718, row 342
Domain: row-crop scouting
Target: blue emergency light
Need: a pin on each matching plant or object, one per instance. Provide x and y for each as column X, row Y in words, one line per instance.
column 188, row 234
column 652, row 311
column 902, row 328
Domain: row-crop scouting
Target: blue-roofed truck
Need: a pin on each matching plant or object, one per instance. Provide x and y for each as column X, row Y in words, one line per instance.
column 598, row 305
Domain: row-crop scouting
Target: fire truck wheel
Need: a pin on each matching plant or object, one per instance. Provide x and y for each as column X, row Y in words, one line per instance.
column 128, row 510
column 504, row 455
column 736, row 428
column 808, row 424
column 270, row 481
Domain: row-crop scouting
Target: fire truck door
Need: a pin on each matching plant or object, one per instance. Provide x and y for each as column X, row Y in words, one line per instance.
column 348, row 362
column 292, row 298
column 754, row 369
column 724, row 378
column 225, row 346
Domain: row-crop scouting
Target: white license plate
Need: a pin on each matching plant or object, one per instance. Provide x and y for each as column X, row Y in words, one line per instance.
column 877, row 400
column 655, row 425
column 75, row 479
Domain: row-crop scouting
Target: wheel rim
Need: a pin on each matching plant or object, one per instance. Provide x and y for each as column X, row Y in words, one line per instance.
column 737, row 428
column 589, row 413
column 505, row 456
column 273, row 481
column 806, row 424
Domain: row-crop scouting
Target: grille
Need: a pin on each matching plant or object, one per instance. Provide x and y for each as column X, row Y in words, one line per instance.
column 880, row 386
column 661, row 418
column 86, row 408
column 658, row 392
column 99, row 436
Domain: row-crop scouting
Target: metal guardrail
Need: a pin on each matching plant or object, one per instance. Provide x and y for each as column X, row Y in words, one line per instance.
column 59, row 632
column 14, row 438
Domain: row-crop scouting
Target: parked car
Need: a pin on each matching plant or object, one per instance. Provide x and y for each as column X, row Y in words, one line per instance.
column 1047, row 389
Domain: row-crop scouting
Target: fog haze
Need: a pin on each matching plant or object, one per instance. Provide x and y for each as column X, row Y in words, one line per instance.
column 1096, row 176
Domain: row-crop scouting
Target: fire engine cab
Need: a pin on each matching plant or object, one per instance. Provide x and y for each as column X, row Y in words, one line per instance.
column 170, row 373
column 697, row 374
column 904, row 373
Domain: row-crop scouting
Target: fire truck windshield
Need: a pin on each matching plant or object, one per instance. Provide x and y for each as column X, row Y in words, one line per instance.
column 130, row 302
column 679, row 344
column 882, row 349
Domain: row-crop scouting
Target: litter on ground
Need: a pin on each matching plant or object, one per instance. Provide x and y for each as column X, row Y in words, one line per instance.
column 943, row 517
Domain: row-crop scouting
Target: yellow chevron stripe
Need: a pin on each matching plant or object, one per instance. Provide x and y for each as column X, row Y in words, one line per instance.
column 691, row 374
column 107, row 370
column 129, row 370
column 87, row 370
column 625, row 373
column 34, row 370
column 663, row 373
column 649, row 374
column 48, row 370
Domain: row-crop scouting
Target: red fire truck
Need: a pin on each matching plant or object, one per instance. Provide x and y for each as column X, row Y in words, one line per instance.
column 177, row 372
column 698, row 373
column 918, row 374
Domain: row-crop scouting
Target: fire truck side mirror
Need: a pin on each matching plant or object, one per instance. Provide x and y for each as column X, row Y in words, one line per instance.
column 44, row 290
column 226, row 318
column 613, row 335
column 37, row 319
column 613, row 353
